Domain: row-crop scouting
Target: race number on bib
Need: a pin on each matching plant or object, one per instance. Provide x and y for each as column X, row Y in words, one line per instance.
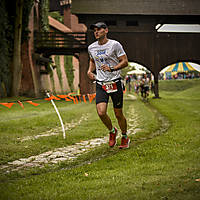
column 110, row 87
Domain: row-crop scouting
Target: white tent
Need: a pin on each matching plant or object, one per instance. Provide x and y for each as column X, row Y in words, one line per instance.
column 136, row 71
column 139, row 67
column 196, row 66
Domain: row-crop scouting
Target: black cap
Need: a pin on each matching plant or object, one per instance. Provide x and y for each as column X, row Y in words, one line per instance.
column 98, row 25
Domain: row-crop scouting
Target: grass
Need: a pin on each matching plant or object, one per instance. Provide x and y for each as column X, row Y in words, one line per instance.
column 165, row 166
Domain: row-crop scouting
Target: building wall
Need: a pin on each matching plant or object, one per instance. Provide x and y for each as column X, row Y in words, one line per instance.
column 33, row 81
column 75, row 26
column 76, row 73
column 72, row 26
column 65, row 84
column 30, row 82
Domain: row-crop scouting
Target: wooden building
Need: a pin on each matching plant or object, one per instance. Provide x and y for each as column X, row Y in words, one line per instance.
column 41, row 47
column 133, row 23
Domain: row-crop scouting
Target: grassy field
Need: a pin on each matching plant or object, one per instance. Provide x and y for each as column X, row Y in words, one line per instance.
column 163, row 161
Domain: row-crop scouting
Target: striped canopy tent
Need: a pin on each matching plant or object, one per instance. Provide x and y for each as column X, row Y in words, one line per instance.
column 180, row 67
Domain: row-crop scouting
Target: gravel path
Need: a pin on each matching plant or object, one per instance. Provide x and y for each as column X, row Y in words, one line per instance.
column 56, row 131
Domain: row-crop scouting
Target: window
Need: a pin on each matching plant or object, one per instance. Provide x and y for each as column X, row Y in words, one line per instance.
column 131, row 23
column 186, row 28
column 111, row 23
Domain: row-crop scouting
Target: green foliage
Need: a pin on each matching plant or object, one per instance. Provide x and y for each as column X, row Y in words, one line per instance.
column 28, row 4
column 58, row 69
column 44, row 12
column 56, row 15
column 125, row 70
column 7, row 21
column 5, row 46
column 52, row 80
column 69, row 70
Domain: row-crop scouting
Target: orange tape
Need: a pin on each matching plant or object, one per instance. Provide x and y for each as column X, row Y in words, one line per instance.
column 9, row 105
column 51, row 98
column 35, row 104
column 84, row 99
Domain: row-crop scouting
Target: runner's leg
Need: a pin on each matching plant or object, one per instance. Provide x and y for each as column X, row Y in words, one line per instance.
column 123, row 126
column 101, row 105
column 102, row 112
column 121, row 119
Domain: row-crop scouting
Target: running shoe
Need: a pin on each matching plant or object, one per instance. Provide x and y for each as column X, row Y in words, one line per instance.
column 124, row 142
column 112, row 138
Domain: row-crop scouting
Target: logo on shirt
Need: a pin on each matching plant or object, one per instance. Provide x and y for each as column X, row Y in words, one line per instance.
column 101, row 52
column 101, row 58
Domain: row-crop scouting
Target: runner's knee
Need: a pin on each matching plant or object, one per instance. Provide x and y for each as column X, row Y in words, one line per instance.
column 101, row 113
column 119, row 115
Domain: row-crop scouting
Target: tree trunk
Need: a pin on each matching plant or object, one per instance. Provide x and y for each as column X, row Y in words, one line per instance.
column 17, row 66
column 156, row 89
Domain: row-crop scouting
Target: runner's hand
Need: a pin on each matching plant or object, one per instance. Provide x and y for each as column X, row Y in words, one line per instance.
column 105, row 68
column 91, row 76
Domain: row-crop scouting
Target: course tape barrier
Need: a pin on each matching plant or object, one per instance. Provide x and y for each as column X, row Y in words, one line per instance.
column 71, row 97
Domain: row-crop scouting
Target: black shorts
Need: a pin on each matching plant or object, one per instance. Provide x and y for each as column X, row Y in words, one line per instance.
column 103, row 96
column 146, row 88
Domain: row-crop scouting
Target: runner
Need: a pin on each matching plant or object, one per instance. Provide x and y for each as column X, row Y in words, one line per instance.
column 107, row 57
column 145, row 87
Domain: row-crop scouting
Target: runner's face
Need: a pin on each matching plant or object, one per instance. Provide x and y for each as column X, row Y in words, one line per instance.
column 100, row 33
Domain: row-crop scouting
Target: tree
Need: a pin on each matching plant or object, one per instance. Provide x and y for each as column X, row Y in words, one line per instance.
column 21, row 32
column 5, row 46
column 16, row 65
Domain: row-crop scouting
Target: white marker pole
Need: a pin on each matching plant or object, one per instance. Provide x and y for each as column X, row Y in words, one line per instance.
column 63, row 128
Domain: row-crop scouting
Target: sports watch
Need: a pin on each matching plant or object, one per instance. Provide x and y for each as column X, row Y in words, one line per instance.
column 112, row 69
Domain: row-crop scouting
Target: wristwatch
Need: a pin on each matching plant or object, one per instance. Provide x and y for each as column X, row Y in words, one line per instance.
column 112, row 69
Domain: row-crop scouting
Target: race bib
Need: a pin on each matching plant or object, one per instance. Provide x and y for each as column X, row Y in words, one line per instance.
column 110, row 87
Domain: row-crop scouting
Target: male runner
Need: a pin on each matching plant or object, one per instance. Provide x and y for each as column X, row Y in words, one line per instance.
column 107, row 57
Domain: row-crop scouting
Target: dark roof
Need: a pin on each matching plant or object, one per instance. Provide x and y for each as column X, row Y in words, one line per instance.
column 137, row 7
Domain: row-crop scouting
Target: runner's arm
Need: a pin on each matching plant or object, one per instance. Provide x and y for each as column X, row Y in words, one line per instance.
column 92, row 67
column 123, row 62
